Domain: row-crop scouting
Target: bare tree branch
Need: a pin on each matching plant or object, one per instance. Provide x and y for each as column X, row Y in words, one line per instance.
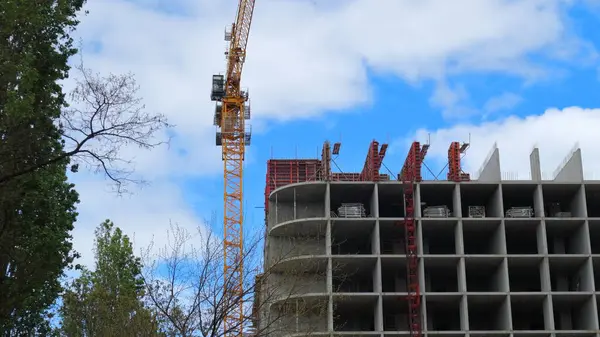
column 104, row 117
column 185, row 285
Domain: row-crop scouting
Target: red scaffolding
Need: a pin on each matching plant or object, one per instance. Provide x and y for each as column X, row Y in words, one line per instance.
column 455, row 172
column 375, row 155
column 410, row 174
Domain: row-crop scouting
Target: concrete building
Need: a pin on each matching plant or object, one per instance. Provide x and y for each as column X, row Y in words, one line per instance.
column 527, row 263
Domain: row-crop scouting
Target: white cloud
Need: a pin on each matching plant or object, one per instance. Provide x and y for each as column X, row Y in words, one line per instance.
column 304, row 57
column 455, row 104
column 145, row 215
column 452, row 100
column 422, row 38
column 502, row 102
column 554, row 132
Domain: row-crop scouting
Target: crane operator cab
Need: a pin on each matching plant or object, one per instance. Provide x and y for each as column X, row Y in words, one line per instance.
column 218, row 88
column 229, row 127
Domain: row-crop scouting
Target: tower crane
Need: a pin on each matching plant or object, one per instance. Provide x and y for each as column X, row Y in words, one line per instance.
column 231, row 112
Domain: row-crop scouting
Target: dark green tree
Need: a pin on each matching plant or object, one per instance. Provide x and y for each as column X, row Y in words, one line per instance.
column 104, row 113
column 40, row 136
column 109, row 300
column 36, row 209
column 34, row 48
column 36, row 217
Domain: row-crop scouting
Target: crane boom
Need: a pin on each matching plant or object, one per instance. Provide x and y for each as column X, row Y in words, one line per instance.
column 231, row 113
column 240, row 32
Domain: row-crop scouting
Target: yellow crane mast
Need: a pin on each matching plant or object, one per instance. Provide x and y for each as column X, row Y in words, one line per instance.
column 231, row 112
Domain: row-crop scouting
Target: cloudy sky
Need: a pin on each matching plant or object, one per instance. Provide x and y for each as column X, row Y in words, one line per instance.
column 519, row 73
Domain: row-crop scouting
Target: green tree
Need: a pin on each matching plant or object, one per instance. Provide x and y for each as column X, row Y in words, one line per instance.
column 36, row 209
column 103, row 114
column 40, row 135
column 34, row 48
column 109, row 300
column 35, row 221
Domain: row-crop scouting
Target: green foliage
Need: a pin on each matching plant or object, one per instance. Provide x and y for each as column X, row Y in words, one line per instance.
column 37, row 204
column 35, row 247
column 108, row 301
column 34, row 49
column 36, row 209
column 37, row 126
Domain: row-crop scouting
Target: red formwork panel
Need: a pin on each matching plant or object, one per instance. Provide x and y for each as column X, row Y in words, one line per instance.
column 355, row 177
column 281, row 172
column 345, row 176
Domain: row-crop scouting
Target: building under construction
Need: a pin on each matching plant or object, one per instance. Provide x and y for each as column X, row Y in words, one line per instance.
column 374, row 254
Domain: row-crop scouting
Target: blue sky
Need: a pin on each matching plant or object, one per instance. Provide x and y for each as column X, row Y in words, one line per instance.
column 344, row 71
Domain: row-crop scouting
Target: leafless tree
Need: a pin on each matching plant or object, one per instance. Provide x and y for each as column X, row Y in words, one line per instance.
column 105, row 116
column 185, row 286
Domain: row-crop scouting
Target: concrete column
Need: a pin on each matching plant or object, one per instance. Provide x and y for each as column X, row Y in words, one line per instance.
column 534, row 164
column 538, row 202
column 329, row 260
column 578, row 205
column 417, row 200
column 464, row 313
column 459, row 239
column 377, row 282
column 500, row 239
column 374, row 203
column 456, row 202
column 498, row 201
column 548, row 313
